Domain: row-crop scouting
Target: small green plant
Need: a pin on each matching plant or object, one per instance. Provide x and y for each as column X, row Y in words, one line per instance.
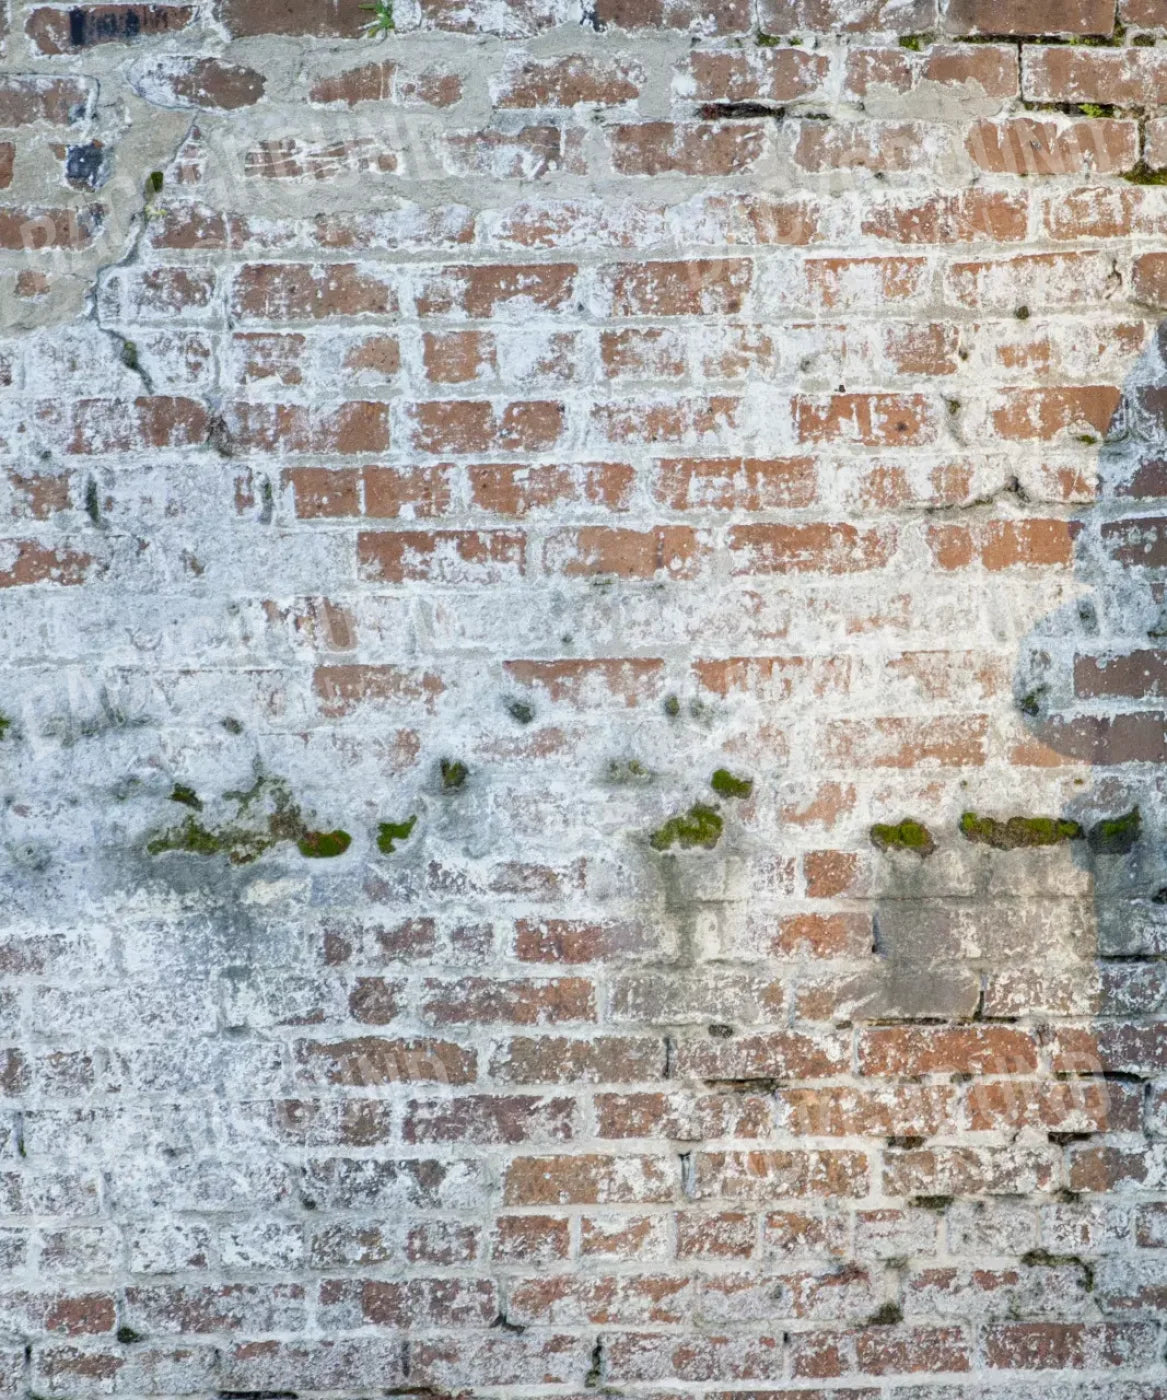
column 127, row 1336
column 699, row 826
column 725, row 784
column 915, row 42
column 907, row 835
column 389, row 833
column 672, row 706
column 382, row 21
column 454, row 774
column 187, row 796
column 5, row 725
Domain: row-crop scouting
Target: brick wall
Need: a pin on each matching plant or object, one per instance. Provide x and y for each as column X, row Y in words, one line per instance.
column 582, row 711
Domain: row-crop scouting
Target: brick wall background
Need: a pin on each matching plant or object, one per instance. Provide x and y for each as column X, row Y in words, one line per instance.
column 582, row 699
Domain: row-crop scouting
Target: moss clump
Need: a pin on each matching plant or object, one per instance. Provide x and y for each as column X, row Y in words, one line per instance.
column 1114, row 836
column 154, row 182
column 889, row 1315
column 1143, row 174
column 1018, row 831
column 767, row 41
column 907, row 835
column 454, row 774
column 1096, row 109
column 127, row 1336
column 937, row 1203
column 725, row 784
column 192, row 836
column 521, row 711
column 699, row 826
column 323, row 845
column 266, row 815
column 389, row 833
column 628, row 770
column 92, row 503
column 672, row 706
column 5, row 726
column 915, row 42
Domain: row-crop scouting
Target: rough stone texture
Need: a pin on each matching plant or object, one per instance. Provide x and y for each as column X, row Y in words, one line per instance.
column 493, row 518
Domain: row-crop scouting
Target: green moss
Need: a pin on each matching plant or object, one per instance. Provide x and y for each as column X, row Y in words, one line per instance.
column 889, row 1315
column 1143, row 174
column 454, row 774
column 389, row 833
column 191, row 836
column 1144, row 41
column 5, row 725
column 323, row 845
column 521, row 711
column 767, row 41
column 1115, row 836
column 699, row 826
column 937, row 1203
column 628, row 770
column 1086, row 439
column 915, row 42
column 1022, row 313
column 1097, row 109
column 92, row 502
column 266, row 816
column 1030, row 702
column 725, row 784
column 154, row 182
column 130, row 355
column 127, row 1336
column 907, row 835
column 672, row 706
column 1018, row 831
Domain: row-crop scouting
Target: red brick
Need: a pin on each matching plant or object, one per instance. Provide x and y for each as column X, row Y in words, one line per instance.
column 760, row 75
column 694, row 149
column 244, row 18
column 846, row 16
column 885, row 147
column 57, row 31
column 481, row 291
column 343, row 689
column 448, row 556
column 873, row 420
column 834, row 549
column 26, row 98
column 1027, row 146
column 735, row 483
column 968, row 217
column 672, row 550
column 1037, row 17
column 569, row 82
column 476, row 425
